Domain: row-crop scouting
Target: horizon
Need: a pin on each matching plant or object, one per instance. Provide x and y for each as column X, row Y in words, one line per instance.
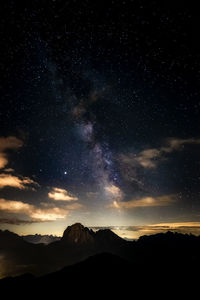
column 132, row 232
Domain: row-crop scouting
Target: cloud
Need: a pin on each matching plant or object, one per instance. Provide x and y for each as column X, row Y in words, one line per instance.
column 46, row 214
column 134, row 232
column 174, row 144
column 165, row 200
column 3, row 160
column 150, row 158
column 10, row 142
column 49, row 214
column 33, row 212
column 7, row 143
column 61, row 194
column 15, row 206
column 113, row 191
column 22, row 183
column 9, row 170
column 10, row 180
column 16, row 221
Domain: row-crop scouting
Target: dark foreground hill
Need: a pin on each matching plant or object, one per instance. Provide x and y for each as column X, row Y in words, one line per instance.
column 107, row 275
column 83, row 260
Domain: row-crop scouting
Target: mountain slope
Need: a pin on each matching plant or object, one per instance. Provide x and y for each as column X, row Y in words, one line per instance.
column 108, row 275
column 161, row 251
column 78, row 242
column 18, row 256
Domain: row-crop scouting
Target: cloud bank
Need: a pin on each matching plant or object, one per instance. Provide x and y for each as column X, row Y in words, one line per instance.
column 46, row 212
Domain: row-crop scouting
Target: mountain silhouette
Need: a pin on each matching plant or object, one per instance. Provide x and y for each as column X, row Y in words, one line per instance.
column 79, row 242
column 83, row 257
column 19, row 256
column 78, row 234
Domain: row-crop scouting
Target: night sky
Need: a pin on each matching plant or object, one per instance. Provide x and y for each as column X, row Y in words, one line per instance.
column 99, row 116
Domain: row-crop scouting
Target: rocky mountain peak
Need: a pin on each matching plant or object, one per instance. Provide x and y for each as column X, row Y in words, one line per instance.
column 78, row 234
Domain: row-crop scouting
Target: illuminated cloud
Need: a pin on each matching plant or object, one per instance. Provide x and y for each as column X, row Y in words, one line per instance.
column 165, row 200
column 22, row 183
column 113, row 191
column 150, row 158
column 176, row 225
column 15, row 206
column 49, row 214
column 36, row 214
column 135, row 231
column 178, row 144
column 3, row 160
column 10, row 142
column 9, row 170
column 10, row 180
column 61, row 194
column 7, row 143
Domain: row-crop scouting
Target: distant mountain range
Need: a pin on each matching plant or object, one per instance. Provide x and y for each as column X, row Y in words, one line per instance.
column 47, row 239
column 86, row 255
column 41, row 239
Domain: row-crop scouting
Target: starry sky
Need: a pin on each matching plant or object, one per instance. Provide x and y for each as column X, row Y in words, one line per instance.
column 99, row 116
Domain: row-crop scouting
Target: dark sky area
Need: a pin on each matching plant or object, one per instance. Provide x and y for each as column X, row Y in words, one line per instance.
column 99, row 116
